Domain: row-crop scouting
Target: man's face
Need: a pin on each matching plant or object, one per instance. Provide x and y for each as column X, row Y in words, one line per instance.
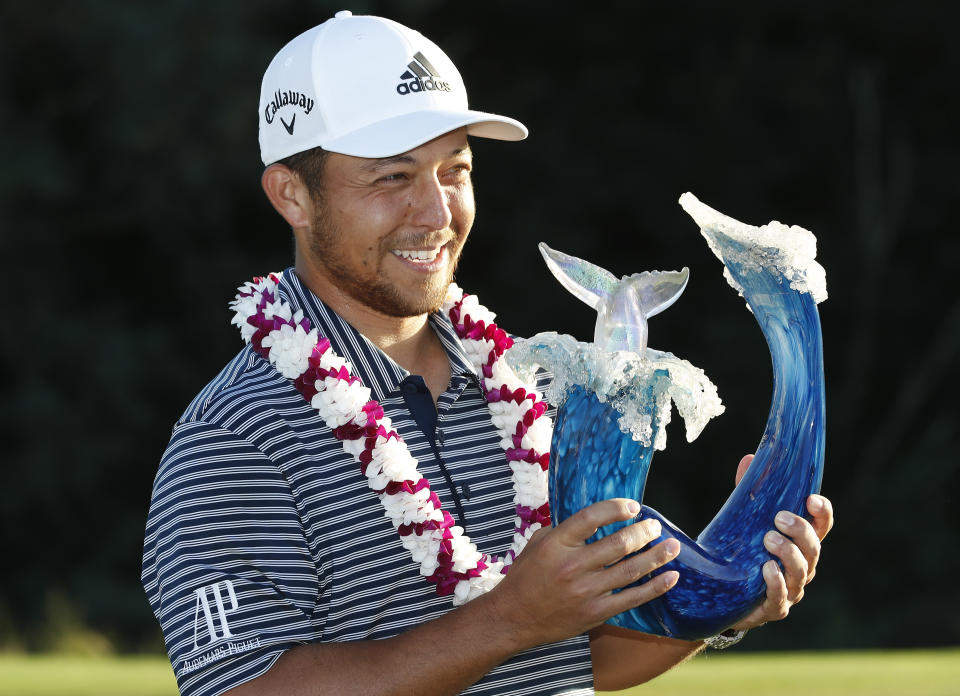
column 388, row 232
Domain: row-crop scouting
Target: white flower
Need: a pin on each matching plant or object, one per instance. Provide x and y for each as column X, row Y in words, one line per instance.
column 395, row 459
column 401, row 467
column 331, row 361
column 278, row 309
column 244, row 308
column 467, row 590
column 354, row 447
column 534, row 438
column 502, row 374
column 530, row 477
column 344, row 402
column 532, row 497
column 429, row 566
column 321, row 401
column 454, row 295
column 290, row 349
column 466, row 558
column 324, row 403
column 377, row 480
column 540, row 434
column 407, row 507
column 462, row 592
column 469, row 304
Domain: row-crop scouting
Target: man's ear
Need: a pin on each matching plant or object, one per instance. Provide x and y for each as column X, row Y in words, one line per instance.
column 288, row 195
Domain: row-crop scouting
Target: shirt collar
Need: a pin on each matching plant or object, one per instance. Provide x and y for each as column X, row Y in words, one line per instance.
column 376, row 369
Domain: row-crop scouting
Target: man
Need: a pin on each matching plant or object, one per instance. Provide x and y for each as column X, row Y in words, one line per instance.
column 268, row 559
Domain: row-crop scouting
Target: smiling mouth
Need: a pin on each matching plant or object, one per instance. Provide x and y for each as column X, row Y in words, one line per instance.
column 431, row 260
column 418, row 255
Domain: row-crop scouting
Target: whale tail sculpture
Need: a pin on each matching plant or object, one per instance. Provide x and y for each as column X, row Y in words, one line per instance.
column 623, row 306
column 594, row 456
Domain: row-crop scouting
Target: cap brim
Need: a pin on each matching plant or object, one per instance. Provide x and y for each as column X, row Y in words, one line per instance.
column 399, row 134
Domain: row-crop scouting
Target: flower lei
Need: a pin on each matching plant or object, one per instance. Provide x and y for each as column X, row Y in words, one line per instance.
column 446, row 556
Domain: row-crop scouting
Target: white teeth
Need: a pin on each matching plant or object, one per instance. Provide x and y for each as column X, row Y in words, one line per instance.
column 415, row 255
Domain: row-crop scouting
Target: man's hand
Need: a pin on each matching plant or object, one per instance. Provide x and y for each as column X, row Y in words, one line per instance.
column 560, row 586
column 797, row 545
column 624, row 658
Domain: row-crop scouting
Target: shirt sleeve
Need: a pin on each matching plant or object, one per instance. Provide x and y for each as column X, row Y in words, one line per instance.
column 226, row 565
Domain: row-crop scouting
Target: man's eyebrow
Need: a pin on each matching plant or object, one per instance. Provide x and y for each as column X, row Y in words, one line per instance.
column 383, row 162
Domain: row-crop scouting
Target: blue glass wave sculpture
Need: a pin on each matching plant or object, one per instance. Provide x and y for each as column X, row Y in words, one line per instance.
column 615, row 397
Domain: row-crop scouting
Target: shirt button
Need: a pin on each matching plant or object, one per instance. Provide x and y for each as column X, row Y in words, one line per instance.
column 439, row 436
column 408, row 388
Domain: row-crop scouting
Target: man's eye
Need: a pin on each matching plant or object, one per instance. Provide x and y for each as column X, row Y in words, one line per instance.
column 391, row 178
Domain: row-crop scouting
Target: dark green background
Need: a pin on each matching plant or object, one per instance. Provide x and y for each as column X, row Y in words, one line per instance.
column 130, row 209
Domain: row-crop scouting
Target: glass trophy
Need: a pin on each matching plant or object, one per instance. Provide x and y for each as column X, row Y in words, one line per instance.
column 615, row 397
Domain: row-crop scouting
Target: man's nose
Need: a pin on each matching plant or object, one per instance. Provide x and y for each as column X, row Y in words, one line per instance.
column 431, row 204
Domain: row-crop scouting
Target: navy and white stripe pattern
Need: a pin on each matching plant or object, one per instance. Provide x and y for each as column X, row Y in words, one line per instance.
column 263, row 535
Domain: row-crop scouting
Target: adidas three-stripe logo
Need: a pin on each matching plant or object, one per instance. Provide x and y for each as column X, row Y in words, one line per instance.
column 421, row 76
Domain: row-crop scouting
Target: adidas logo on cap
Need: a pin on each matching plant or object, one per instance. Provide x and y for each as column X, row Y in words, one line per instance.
column 422, row 77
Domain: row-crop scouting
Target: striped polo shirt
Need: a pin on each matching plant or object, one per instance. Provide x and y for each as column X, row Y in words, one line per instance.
column 263, row 534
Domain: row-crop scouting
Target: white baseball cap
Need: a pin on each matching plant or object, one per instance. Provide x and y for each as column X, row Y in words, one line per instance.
column 368, row 87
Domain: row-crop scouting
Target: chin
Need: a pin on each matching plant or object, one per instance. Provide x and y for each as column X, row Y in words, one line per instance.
column 413, row 302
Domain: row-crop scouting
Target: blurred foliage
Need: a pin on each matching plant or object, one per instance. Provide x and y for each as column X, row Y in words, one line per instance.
column 130, row 208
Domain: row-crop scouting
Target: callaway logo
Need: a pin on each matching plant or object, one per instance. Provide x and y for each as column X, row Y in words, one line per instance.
column 287, row 98
column 422, row 76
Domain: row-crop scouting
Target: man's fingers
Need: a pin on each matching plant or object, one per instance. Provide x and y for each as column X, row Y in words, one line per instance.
column 630, row 539
column 822, row 511
column 632, row 569
column 577, row 528
column 794, row 564
column 640, row 594
column 803, row 534
column 742, row 468
column 776, row 605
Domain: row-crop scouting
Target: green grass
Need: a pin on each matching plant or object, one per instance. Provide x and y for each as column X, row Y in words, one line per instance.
column 54, row 675
column 876, row 673
column 902, row 673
